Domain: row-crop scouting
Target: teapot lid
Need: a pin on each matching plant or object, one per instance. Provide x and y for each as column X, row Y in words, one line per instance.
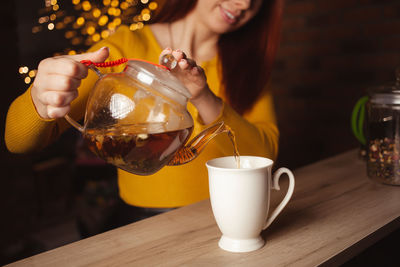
column 156, row 76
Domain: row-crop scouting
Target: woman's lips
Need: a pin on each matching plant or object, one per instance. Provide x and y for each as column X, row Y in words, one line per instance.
column 227, row 16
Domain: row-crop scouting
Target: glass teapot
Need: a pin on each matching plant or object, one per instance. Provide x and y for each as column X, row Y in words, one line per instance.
column 137, row 119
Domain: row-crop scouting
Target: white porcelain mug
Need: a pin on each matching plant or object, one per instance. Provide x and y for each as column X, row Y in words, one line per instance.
column 240, row 199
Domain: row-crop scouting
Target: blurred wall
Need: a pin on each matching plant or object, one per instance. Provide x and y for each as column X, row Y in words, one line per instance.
column 331, row 52
column 35, row 191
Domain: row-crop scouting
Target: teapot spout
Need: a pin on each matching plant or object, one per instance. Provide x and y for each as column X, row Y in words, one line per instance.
column 192, row 149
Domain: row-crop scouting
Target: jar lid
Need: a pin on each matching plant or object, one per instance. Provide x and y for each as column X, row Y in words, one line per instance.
column 157, row 77
column 387, row 94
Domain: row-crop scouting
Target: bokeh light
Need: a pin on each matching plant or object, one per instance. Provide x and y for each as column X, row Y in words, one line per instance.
column 88, row 22
column 27, row 80
column 32, row 73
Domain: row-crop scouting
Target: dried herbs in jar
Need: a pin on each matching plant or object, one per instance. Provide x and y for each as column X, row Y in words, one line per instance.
column 383, row 134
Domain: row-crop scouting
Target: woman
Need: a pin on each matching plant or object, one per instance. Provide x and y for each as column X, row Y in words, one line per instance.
column 229, row 49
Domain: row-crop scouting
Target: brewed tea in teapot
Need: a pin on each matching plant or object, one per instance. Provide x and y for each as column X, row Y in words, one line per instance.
column 137, row 119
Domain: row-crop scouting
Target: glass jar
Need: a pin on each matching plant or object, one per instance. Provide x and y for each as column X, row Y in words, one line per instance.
column 383, row 133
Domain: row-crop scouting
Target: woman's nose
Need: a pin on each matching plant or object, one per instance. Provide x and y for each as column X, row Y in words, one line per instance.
column 242, row 4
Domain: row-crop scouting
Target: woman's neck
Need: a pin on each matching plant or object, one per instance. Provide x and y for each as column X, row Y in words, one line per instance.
column 196, row 39
column 190, row 36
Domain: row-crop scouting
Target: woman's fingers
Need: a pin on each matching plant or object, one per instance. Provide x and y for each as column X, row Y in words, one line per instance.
column 179, row 54
column 64, row 66
column 59, row 99
column 184, row 62
column 190, row 74
column 57, row 104
column 55, row 82
column 53, row 92
column 187, row 64
column 57, row 112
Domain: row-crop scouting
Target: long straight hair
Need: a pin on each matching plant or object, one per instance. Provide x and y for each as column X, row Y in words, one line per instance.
column 246, row 54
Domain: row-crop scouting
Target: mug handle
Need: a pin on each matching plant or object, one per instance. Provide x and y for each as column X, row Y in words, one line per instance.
column 287, row 197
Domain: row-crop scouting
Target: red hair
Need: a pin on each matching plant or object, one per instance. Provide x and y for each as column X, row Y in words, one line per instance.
column 246, row 55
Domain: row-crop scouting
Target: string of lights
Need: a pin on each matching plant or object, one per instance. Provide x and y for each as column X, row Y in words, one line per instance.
column 89, row 22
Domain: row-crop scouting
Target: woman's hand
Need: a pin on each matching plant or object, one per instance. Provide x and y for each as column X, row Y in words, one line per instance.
column 195, row 80
column 57, row 81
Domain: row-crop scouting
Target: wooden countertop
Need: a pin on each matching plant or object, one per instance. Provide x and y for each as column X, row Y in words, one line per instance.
column 335, row 212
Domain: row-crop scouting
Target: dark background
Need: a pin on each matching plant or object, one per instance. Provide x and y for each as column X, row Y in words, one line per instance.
column 331, row 52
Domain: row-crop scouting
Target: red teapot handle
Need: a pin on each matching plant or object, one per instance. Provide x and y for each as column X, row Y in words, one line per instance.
column 166, row 60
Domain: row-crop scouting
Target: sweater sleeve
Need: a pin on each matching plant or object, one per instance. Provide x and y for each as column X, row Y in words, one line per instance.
column 25, row 130
column 256, row 132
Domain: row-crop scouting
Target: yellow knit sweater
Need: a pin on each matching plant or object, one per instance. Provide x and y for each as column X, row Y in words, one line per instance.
column 256, row 131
